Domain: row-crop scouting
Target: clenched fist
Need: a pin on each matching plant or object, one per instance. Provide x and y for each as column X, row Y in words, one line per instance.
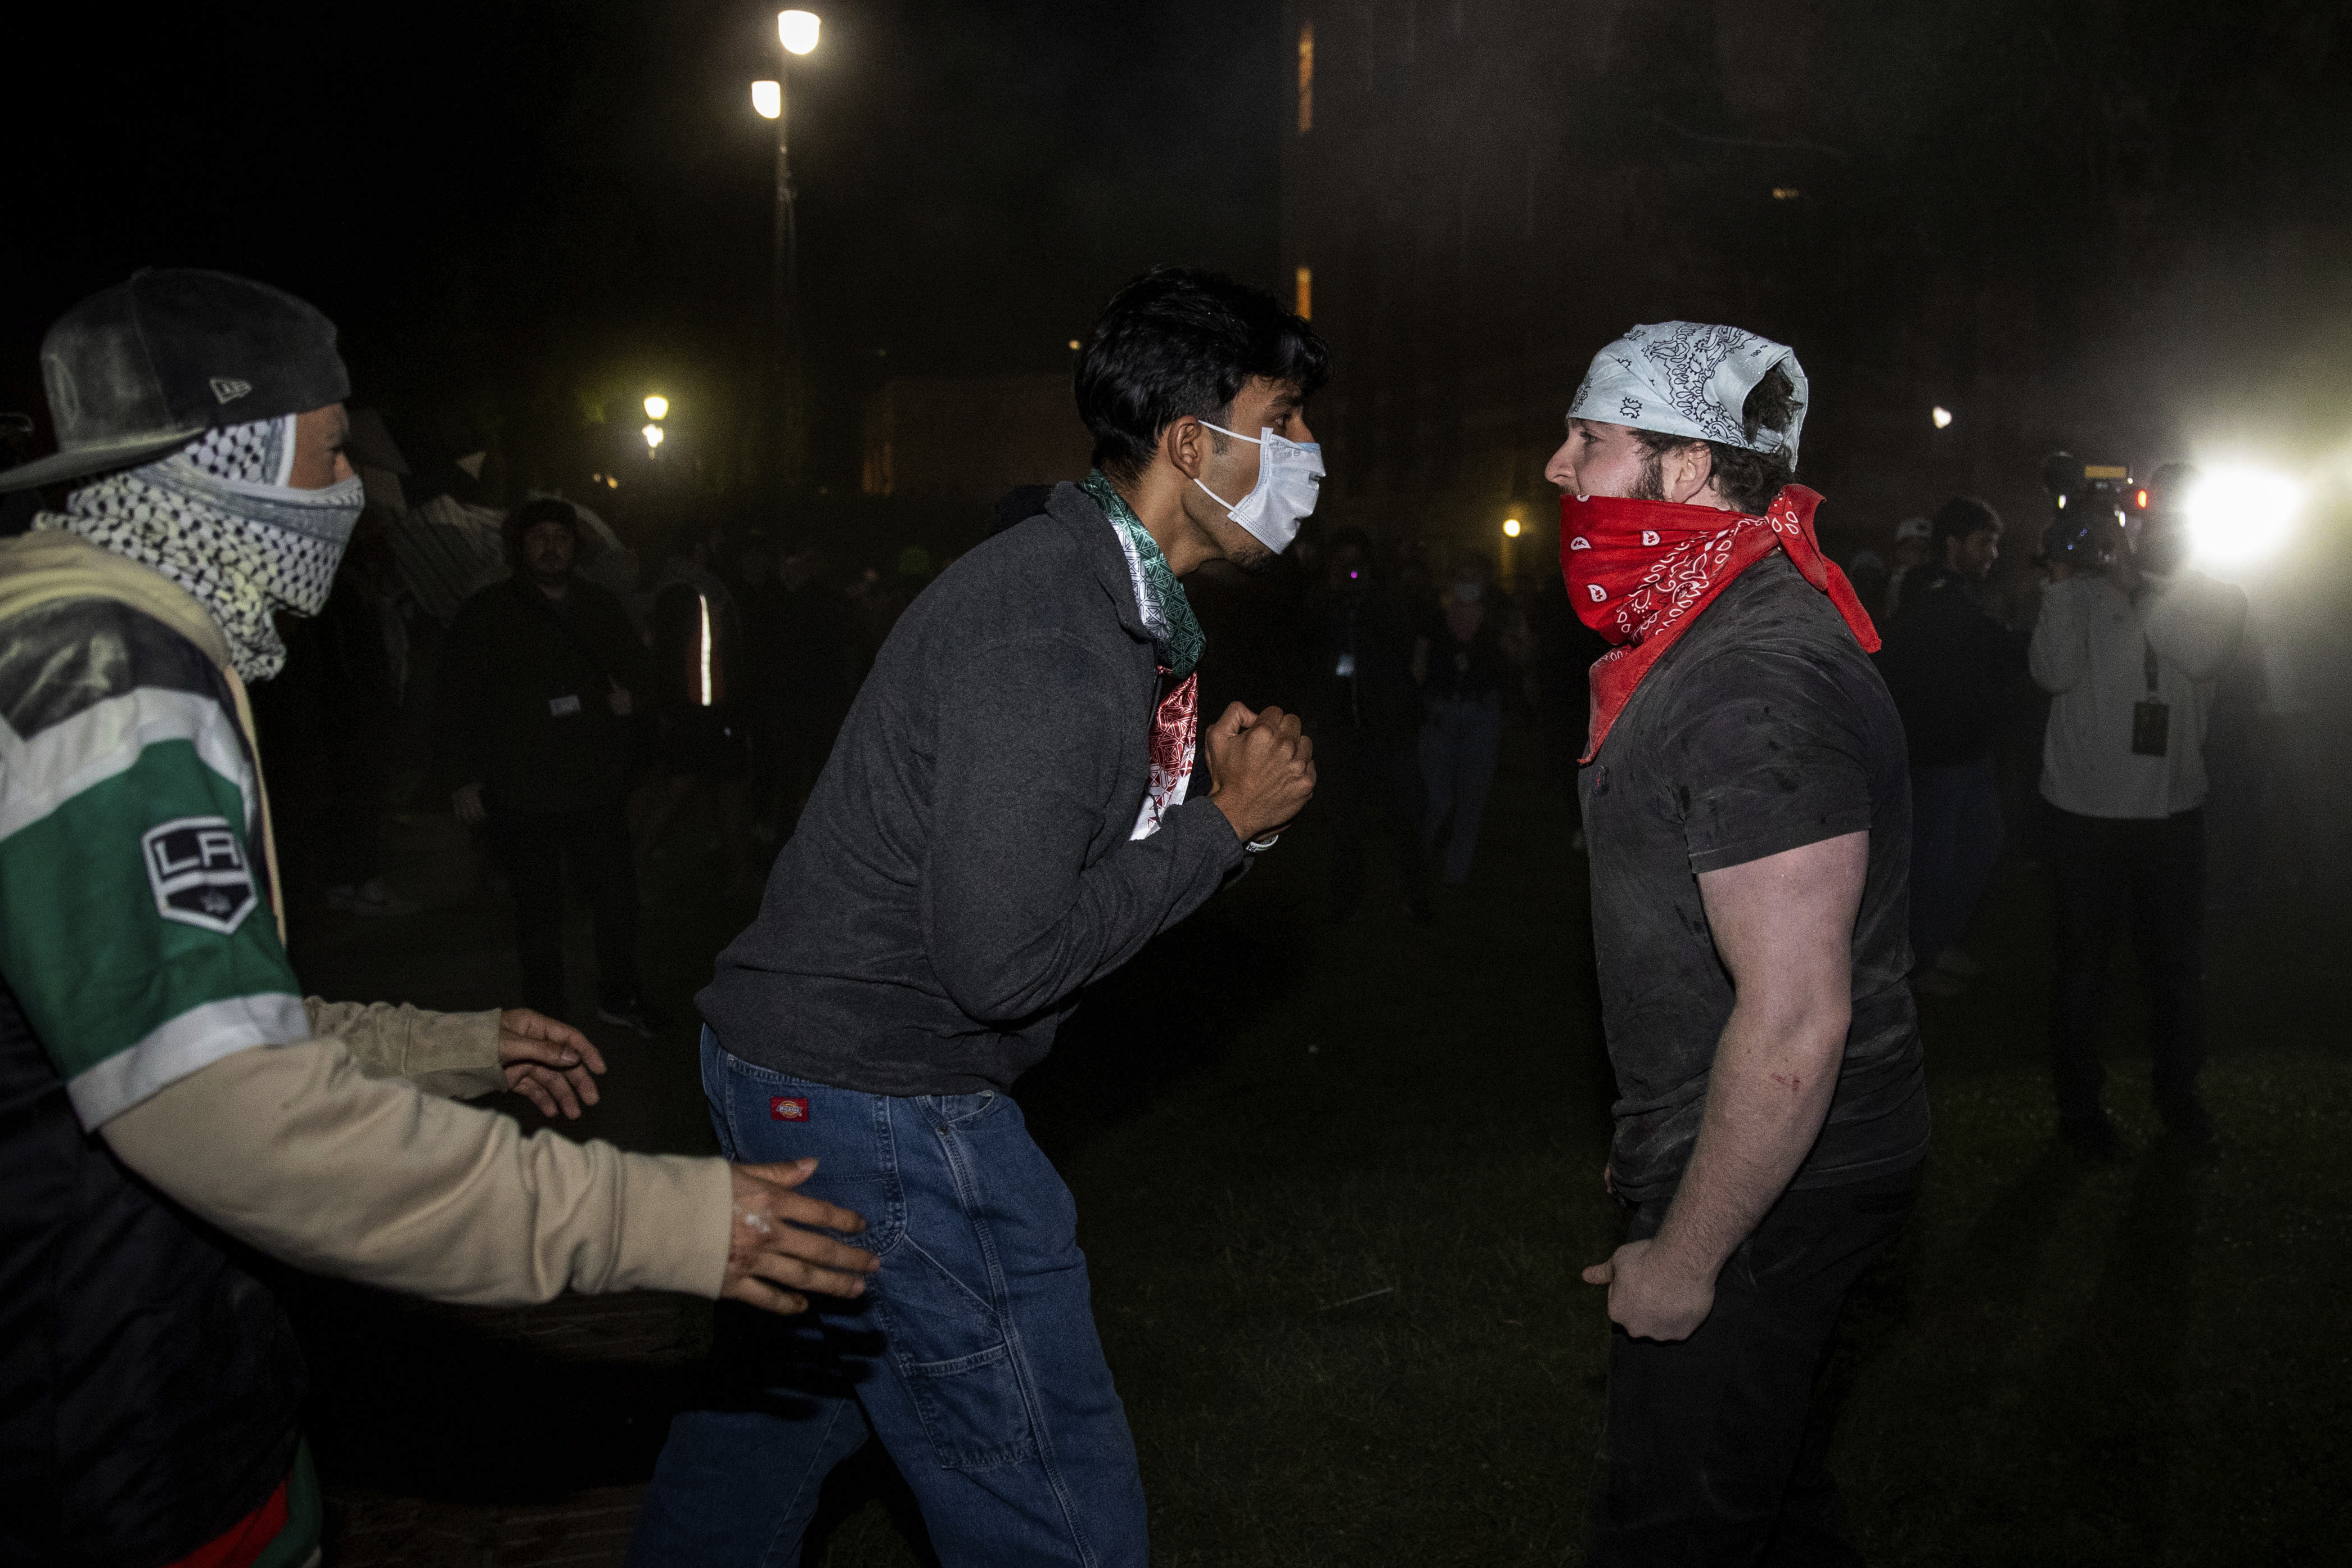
column 1261, row 769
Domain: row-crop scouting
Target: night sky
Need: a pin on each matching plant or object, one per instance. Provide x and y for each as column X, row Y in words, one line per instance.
column 518, row 212
column 526, row 215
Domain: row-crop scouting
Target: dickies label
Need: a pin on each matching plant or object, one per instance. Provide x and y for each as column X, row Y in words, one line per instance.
column 782, row 1107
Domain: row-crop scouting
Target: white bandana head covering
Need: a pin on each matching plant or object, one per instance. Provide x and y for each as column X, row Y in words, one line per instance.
column 1689, row 379
column 218, row 519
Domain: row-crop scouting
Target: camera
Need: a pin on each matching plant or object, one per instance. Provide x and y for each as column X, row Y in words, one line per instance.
column 2089, row 496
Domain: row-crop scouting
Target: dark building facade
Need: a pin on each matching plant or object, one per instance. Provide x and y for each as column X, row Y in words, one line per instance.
column 2012, row 213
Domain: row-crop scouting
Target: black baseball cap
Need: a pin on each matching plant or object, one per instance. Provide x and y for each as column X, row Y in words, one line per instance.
column 140, row 370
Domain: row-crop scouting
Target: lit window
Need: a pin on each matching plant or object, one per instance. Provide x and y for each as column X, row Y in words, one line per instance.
column 1306, row 79
column 1786, row 192
column 1306, row 306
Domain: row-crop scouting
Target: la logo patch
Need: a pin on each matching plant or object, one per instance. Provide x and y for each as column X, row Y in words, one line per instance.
column 782, row 1107
column 197, row 868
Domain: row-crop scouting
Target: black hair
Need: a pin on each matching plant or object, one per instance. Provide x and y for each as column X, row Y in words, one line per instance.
column 1964, row 515
column 530, row 515
column 1748, row 479
column 1177, row 343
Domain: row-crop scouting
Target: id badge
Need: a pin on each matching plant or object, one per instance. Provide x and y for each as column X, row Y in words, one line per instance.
column 562, row 707
column 2151, row 722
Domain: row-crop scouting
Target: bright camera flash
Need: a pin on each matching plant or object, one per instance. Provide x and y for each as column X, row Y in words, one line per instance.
column 2239, row 515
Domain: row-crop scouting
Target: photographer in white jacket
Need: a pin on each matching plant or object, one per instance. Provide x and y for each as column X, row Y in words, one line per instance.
column 2129, row 644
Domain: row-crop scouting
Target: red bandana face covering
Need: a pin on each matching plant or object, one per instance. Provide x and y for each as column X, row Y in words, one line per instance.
column 1639, row 573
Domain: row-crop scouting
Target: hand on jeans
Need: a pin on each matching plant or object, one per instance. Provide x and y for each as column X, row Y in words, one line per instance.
column 769, row 1248
column 547, row 1062
column 1652, row 1295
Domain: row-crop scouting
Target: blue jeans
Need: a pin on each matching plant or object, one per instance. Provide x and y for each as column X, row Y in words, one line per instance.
column 973, row 1354
column 1955, row 834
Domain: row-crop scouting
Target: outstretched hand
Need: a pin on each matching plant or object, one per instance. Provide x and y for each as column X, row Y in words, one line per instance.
column 547, row 1062
column 774, row 1251
column 1261, row 769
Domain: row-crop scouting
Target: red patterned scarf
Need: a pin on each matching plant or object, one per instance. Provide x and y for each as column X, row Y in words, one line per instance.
column 1639, row 573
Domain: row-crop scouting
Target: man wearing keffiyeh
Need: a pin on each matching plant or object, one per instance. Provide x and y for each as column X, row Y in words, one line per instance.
column 1009, row 815
column 168, row 1096
column 1748, row 810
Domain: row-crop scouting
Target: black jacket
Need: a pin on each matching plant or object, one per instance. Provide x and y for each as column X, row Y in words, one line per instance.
column 523, row 705
column 965, row 864
column 1951, row 667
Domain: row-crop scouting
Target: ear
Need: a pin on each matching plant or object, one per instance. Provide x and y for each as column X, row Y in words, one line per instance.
column 1185, row 445
column 1693, row 470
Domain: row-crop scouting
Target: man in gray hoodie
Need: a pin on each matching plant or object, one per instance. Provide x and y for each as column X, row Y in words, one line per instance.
column 1008, row 815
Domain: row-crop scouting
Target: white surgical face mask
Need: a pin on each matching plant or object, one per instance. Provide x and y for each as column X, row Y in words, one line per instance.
column 1289, row 477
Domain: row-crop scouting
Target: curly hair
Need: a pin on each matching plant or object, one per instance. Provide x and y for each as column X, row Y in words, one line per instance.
column 1748, row 479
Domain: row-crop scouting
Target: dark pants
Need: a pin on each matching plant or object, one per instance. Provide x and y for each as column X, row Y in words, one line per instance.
column 1364, row 784
column 535, row 845
column 2151, row 872
column 972, row 1356
column 1458, row 748
column 1955, row 840
column 1716, row 1447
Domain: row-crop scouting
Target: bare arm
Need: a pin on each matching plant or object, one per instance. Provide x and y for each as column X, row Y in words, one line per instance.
column 1784, row 928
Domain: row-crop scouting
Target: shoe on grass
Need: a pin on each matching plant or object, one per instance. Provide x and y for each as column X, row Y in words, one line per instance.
column 1958, row 964
column 633, row 1015
column 2093, row 1135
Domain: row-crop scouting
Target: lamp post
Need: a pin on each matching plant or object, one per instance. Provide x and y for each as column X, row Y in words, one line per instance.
column 797, row 32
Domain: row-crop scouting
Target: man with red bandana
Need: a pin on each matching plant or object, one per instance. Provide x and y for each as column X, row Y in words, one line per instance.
column 1748, row 808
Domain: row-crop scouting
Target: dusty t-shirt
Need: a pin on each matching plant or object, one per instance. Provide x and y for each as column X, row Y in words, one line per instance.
column 1763, row 729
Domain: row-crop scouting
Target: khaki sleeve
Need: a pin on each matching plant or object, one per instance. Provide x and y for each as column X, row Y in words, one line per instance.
column 294, row 1149
column 454, row 1055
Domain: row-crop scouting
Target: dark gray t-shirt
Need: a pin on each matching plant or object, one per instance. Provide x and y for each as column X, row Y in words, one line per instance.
column 1765, row 728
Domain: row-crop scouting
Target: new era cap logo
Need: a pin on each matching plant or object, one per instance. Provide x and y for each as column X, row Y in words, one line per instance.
column 197, row 869
column 783, row 1110
column 230, row 391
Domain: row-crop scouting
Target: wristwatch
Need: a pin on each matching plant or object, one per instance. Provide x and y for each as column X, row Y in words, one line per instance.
column 1260, row 845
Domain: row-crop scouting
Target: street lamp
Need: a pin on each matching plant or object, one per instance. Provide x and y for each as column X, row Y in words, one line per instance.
column 797, row 31
column 657, row 407
column 653, row 434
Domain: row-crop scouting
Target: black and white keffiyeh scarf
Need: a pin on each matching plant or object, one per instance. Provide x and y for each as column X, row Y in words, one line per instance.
column 218, row 519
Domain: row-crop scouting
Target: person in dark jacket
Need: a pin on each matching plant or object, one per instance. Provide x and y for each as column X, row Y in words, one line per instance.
column 541, row 677
column 1365, row 726
column 1007, row 816
column 1464, row 662
column 1953, row 669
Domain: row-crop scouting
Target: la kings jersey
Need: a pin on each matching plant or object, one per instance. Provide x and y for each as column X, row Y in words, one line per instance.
column 149, row 1383
column 135, row 926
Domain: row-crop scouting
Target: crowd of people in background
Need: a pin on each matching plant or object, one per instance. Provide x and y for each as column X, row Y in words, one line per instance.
column 709, row 698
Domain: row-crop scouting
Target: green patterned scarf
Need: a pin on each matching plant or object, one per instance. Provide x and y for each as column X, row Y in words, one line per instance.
column 1167, row 613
